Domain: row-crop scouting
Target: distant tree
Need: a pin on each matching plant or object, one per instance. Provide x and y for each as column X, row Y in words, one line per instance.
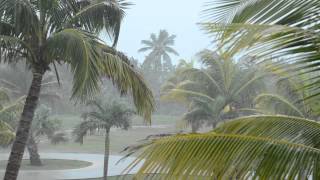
column 157, row 66
column 159, row 47
column 284, row 96
column 214, row 92
column 103, row 116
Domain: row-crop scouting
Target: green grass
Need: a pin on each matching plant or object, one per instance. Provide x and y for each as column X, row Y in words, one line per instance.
column 70, row 121
column 50, row 164
column 119, row 138
column 95, row 144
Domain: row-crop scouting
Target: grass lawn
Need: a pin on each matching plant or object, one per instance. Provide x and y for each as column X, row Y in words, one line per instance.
column 50, row 164
column 119, row 138
column 70, row 121
column 95, row 144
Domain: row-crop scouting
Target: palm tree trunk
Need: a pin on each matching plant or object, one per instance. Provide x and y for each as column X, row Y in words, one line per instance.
column 22, row 134
column 106, row 154
column 33, row 152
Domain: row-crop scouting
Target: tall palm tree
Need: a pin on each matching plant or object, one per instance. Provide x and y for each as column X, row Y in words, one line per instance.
column 214, row 92
column 45, row 32
column 103, row 117
column 160, row 47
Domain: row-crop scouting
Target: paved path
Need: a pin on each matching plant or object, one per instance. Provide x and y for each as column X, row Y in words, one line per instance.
column 93, row 171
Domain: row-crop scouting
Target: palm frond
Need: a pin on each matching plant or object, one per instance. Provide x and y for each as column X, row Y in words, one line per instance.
column 283, row 31
column 81, row 130
column 277, row 98
column 216, row 156
column 90, row 59
column 98, row 15
column 7, row 134
column 183, row 95
column 285, row 128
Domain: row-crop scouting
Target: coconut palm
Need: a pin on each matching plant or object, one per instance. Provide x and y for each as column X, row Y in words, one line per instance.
column 103, row 117
column 43, row 33
column 214, row 92
column 160, row 47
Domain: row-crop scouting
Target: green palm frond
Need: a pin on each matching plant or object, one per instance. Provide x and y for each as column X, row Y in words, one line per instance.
column 286, row 128
column 98, row 15
column 4, row 97
column 6, row 133
column 221, row 84
column 81, row 130
column 254, row 147
column 183, row 95
column 81, row 50
column 216, row 156
column 282, row 31
column 103, row 116
column 90, row 59
column 263, row 99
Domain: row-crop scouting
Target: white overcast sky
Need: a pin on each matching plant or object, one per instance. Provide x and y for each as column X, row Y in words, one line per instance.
column 179, row 17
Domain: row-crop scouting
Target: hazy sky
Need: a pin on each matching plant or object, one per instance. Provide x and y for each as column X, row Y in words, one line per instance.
column 179, row 17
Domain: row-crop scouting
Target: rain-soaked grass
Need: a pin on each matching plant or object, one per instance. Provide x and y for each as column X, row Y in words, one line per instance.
column 119, row 138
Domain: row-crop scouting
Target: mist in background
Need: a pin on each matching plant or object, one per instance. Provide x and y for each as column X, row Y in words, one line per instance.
column 178, row 17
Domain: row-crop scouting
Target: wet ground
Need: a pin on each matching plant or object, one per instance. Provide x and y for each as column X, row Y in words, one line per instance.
column 95, row 170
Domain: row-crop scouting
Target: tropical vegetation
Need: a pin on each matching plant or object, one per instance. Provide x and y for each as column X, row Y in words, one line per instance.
column 42, row 126
column 103, row 117
column 160, row 47
column 215, row 91
column 255, row 147
column 43, row 33
column 285, row 34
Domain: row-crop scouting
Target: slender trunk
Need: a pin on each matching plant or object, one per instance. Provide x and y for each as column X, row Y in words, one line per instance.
column 33, row 152
column 106, row 155
column 24, row 126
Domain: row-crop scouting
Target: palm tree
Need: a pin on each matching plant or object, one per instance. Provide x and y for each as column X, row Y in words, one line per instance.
column 103, row 117
column 214, row 92
column 43, row 33
column 158, row 60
